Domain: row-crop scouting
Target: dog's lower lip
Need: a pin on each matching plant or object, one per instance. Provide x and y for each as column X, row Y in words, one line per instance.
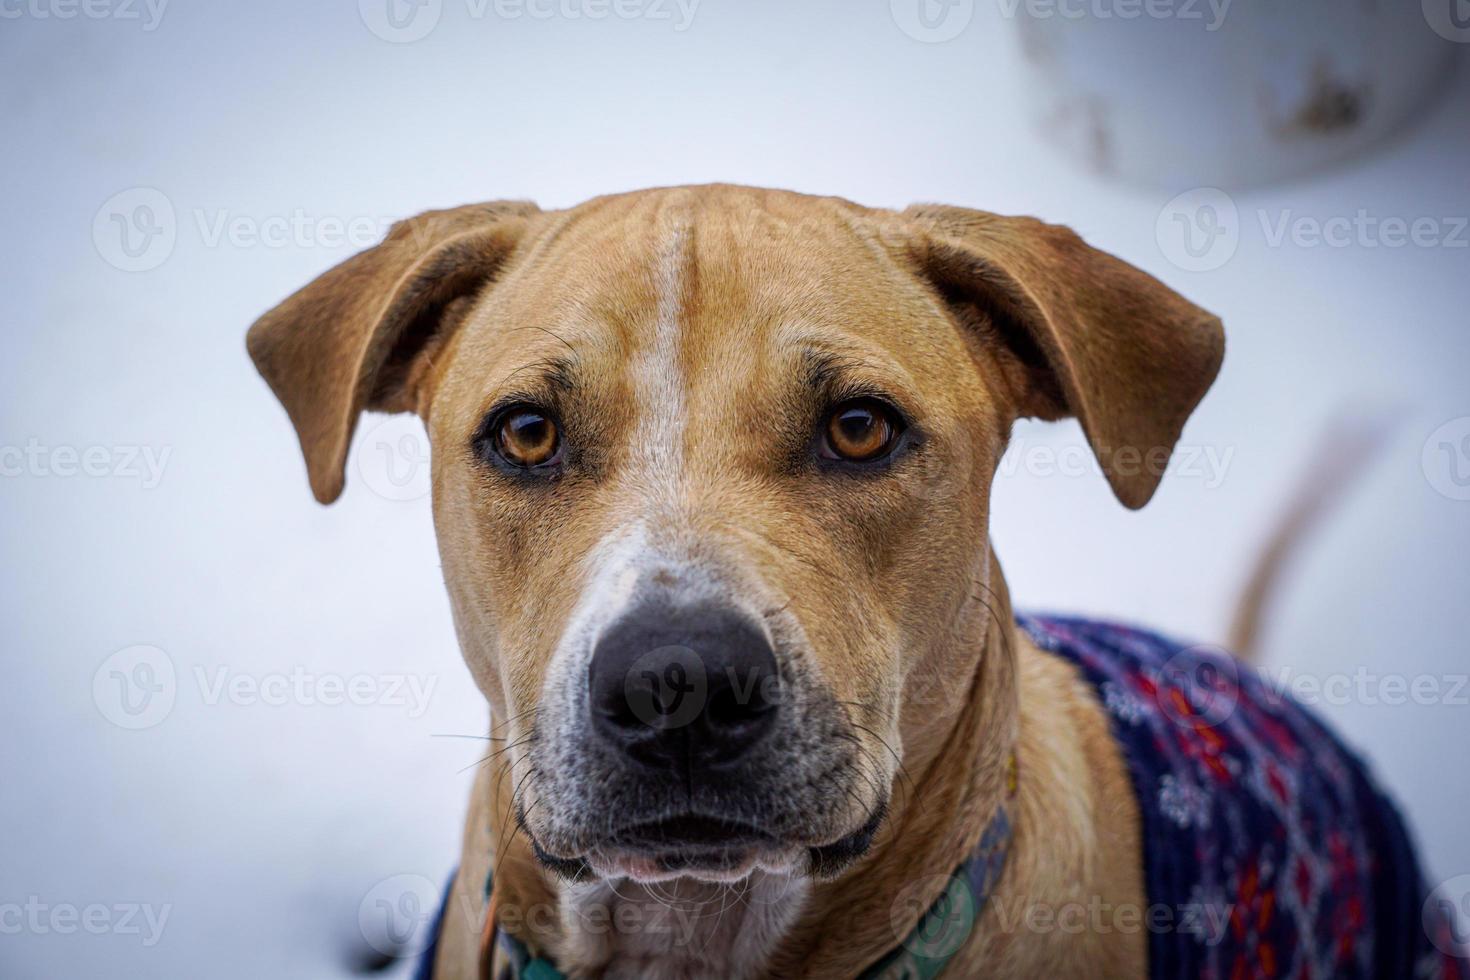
column 711, row 848
column 688, row 834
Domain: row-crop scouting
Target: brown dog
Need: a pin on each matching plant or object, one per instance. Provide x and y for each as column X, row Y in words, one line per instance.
column 761, row 427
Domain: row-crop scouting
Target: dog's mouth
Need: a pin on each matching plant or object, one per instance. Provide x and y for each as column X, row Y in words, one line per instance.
column 687, row 834
column 708, row 848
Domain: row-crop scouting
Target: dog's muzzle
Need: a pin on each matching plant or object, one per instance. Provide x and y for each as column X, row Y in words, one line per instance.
column 694, row 736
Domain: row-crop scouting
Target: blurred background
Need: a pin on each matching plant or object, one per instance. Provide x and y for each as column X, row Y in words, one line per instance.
column 223, row 704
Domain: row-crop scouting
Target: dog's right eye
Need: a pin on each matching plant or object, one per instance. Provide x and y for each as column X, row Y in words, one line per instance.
column 860, row 431
column 526, row 438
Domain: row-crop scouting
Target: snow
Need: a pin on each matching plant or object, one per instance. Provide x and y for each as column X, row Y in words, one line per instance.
column 257, row 817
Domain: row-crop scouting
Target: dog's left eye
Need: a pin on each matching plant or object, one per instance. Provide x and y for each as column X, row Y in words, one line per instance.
column 526, row 438
column 861, row 431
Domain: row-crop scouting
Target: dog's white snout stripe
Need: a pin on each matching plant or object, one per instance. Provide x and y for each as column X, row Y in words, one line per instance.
column 657, row 377
column 641, row 560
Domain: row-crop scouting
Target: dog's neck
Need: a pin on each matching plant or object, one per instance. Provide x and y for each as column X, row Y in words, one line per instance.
column 952, row 781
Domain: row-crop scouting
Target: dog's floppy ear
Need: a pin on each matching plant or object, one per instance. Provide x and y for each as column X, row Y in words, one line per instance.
column 352, row 338
column 1098, row 338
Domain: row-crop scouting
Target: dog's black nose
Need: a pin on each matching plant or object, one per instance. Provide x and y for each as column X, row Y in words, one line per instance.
column 683, row 686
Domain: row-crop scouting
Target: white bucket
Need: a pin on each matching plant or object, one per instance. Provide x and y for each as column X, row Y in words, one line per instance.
column 1182, row 93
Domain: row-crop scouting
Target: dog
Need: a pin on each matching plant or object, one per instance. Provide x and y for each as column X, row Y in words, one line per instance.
column 711, row 480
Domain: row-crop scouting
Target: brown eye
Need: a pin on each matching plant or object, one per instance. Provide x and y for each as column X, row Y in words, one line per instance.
column 525, row 437
column 860, row 431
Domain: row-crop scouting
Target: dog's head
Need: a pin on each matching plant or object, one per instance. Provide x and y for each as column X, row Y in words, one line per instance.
column 710, row 477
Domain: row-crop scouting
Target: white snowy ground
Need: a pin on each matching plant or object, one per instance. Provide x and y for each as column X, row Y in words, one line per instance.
column 254, row 832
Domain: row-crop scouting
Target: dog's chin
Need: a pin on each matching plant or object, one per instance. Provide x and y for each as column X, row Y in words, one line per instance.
column 723, row 866
column 708, row 850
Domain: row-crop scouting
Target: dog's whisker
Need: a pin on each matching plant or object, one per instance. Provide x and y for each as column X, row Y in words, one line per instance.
column 513, row 718
column 898, row 759
column 518, row 743
column 512, row 827
column 507, row 768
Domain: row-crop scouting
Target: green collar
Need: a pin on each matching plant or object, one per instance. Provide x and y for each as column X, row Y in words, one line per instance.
column 923, row 955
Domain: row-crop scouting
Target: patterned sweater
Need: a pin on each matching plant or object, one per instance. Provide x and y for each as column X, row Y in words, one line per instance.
column 1268, row 849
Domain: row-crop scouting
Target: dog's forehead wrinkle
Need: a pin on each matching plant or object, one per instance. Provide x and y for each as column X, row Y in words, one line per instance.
column 829, row 350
